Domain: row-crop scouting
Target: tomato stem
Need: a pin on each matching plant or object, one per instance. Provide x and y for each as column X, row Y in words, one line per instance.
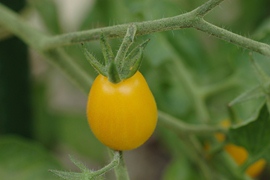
column 85, row 172
column 124, row 65
column 180, row 126
column 121, row 170
column 113, row 74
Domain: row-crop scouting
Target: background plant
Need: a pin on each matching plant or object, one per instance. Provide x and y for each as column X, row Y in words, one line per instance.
column 193, row 77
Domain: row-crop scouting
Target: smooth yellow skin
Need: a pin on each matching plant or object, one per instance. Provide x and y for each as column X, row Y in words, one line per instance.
column 124, row 115
column 240, row 155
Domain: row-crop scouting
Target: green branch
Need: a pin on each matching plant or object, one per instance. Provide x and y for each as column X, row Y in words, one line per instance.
column 193, row 19
column 206, row 7
column 230, row 37
column 185, row 20
column 118, row 31
column 178, row 125
column 121, row 170
column 85, row 173
column 49, row 47
column 210, row 90
column 193, row 89
column 183, row 73
column 10, row 21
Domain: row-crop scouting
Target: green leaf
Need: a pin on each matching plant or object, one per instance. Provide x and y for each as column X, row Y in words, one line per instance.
column 25, row 160
column 261, row 75
column 255, row 92
column 100, row 68
column 253, row 135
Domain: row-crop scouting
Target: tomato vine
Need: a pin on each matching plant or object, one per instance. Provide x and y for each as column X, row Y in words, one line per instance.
column 51, row 48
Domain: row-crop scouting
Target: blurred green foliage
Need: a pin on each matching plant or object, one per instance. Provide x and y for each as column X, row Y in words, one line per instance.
column 207, row 62
column 25, row 160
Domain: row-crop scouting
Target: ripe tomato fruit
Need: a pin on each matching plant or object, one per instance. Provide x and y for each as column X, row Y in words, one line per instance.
column 124, row 115
column 240, row 155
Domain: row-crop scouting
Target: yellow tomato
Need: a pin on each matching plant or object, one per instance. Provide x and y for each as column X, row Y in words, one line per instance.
column 124, row 115
column 240, row 155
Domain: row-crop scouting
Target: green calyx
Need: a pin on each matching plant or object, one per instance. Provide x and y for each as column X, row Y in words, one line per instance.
column 124, row 64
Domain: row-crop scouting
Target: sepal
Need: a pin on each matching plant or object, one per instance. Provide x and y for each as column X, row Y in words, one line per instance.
column 133, row 61
column 106, row 50
column 100, row 68
column 126, row 43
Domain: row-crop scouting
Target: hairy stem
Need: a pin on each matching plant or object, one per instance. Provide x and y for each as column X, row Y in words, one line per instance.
column 147, row 27
column 119, row 31
column 113, row 164
column 206, row 7
column 231, row 37
column 193, row 19
column 121, row 170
